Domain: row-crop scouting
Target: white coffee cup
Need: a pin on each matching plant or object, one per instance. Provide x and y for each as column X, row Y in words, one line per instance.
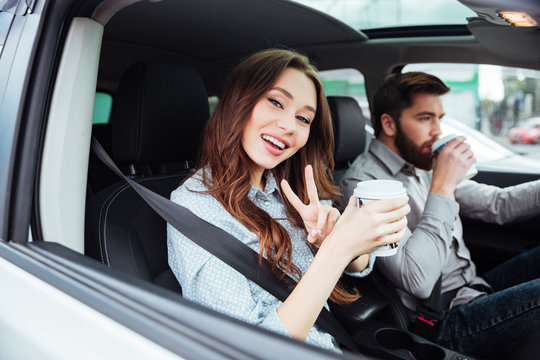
column 439, row 144
column 370, row 190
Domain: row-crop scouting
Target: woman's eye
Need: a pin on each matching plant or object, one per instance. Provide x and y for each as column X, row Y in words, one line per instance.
column 304, row 120
column 275, row 103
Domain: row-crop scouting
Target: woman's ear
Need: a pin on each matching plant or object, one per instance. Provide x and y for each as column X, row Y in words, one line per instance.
column 389, row 127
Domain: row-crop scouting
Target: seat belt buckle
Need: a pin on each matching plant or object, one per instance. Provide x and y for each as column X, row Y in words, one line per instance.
column 426, row 326
column 426, row 321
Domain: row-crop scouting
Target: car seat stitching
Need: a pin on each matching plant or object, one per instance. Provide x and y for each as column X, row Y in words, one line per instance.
column 109, row 202
column 103, row 244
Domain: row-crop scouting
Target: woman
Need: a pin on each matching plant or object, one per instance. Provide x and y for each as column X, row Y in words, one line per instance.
column 272, row 126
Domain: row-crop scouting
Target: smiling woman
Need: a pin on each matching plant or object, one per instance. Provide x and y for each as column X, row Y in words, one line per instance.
column 281, row 127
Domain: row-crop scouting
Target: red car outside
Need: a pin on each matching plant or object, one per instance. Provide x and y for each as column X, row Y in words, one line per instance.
column 527, row 133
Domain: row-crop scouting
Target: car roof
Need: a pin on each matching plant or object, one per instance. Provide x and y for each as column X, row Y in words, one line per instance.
column 164, row 30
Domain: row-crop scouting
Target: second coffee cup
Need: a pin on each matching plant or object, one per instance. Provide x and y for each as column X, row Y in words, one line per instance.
column 439, row 144
column 370, row 190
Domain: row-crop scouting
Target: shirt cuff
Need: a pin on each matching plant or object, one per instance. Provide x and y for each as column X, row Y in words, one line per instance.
column 366, row 271
column 441, row 207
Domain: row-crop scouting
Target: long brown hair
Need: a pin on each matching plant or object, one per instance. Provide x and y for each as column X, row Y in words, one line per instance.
column 223, row 153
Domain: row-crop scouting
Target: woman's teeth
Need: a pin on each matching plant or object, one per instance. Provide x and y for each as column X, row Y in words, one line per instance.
column 276, row 142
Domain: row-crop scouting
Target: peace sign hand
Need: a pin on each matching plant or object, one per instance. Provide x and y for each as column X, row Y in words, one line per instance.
column 318, row 219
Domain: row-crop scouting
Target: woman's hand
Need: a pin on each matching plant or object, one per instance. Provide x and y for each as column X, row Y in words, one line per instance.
column 361, row 230
column 319, row 219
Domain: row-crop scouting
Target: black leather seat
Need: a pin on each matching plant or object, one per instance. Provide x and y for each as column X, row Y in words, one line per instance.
column 157, row 119
column 99, row 176
column 349, row 132
column 377, row 292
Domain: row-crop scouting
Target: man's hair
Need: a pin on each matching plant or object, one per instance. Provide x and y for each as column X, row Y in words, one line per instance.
column 396, row 93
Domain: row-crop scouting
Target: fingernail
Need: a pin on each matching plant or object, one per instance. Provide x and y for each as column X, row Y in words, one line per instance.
column 315, row 233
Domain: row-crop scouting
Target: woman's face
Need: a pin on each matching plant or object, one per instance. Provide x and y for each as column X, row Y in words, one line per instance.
column 280, row 122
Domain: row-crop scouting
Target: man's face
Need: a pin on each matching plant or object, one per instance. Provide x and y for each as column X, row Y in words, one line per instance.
column 418, row 128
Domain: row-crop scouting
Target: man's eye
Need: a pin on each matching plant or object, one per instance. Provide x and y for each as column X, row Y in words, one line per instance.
column 425, row 118
column 275, row 103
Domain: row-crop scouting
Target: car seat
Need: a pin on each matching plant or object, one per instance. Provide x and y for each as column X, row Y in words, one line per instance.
column 99, row 176
column 350, row 141
column 349, row 132
column 158, row 115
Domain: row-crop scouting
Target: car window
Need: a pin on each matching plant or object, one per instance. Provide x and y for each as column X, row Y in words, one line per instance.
column 103, row 105
column 367, row 14
column 493, row 100
column 346, row 82
column 102, row 108
column 212, row 103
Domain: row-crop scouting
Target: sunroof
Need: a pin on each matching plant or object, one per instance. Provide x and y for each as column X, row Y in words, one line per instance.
column 371, row 14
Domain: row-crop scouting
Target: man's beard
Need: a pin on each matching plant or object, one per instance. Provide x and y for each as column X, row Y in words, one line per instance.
column 411, row 153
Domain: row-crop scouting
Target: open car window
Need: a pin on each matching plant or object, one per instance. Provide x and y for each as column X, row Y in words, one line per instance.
column 487, row 103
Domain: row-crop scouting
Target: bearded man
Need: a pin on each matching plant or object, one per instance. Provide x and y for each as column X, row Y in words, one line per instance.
column 487, row 316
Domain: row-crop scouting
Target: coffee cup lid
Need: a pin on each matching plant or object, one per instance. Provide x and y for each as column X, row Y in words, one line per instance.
column 437, row 145
column 379, row 189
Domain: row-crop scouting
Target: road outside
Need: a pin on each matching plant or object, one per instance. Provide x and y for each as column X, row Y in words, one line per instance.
column 529, row 150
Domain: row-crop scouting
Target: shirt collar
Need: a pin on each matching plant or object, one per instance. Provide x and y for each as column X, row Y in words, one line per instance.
column 269, row 187
column 393, row 161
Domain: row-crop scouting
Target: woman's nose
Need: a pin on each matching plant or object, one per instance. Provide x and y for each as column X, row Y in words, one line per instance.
column 287, row 122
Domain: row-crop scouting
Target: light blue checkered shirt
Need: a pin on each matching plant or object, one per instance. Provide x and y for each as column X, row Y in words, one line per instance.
column 210, row 282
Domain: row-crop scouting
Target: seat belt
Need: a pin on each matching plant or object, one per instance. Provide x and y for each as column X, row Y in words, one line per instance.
column 224, row 246
column 431, row 311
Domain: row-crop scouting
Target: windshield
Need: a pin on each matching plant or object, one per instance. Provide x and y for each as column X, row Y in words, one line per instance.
column 369, row 14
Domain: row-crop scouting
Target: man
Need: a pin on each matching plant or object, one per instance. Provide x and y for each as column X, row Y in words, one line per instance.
column 487, row 316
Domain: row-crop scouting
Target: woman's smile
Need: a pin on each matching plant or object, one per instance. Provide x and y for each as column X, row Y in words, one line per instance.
column 273, row 145
column 280, row 122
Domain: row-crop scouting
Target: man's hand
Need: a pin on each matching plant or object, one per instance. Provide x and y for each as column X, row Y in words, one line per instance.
column 450, row 167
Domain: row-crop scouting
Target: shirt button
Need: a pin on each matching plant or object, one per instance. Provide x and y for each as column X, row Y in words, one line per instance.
column 266, row 203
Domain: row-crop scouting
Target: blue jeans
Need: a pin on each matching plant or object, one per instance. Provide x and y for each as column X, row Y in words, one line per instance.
column 505, row 323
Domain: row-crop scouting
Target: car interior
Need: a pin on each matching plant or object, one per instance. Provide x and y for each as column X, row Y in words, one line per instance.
column 160, row 62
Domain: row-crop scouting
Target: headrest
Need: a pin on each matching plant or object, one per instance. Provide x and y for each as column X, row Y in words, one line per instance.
column 349, row 128
column 158, row 114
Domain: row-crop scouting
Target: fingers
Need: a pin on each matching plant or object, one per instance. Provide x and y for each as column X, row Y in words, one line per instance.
column 291, row 196
column 395, row 215
column 324, row 211
column 310, row 185
column 327, row 218
column 386, row 205
column 315, row 238
column 460, row 146
column 332, row 219
column 394, row 227
column 457, row 141
column 392, row 238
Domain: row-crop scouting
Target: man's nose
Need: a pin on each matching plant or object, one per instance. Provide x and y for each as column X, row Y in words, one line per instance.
column 436, row 128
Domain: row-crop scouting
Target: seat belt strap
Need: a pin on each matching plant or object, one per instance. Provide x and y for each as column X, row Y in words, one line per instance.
column 224, row 246
column 429, row 313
